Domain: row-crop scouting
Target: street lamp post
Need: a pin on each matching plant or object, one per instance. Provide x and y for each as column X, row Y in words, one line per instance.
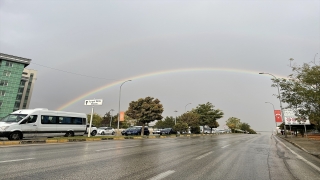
column 175, row 120
column 273, row 112
column 119, row 106
column 185, row 108
column 285, row 129
column 111, row 116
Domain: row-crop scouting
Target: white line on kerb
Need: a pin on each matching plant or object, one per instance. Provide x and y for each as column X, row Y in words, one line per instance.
column 162, row 175
column 225, row 146
column 115, row 148
column 299, row 157
column 15, row 160
column 204, row 155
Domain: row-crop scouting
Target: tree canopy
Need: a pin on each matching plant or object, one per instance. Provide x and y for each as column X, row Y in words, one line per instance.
column 301, row 91
column 233, row 123
column 192, row 119
column 96, row 119
column 145, row 110
column 168, row 122
column 208, row 115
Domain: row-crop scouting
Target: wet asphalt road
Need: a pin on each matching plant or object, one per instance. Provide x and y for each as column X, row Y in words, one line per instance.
column 228, row 156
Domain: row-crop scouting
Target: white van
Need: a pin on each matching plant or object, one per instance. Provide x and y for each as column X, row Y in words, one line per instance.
column 42, row 122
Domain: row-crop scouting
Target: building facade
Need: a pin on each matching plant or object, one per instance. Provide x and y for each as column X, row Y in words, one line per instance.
column 15, row 91
column 27, row 83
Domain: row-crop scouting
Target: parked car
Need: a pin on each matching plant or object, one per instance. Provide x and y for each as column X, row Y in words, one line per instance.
column 156, row 131
column 124, row 131
column 136, row 131
column 94, row 130
column 207, row 130
column 106, row 130
column 168, row 131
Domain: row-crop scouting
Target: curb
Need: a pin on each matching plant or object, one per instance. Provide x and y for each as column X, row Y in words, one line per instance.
column 95, row 139
column 298, row 146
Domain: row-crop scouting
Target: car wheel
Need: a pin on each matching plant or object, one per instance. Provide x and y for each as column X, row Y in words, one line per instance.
column 102, row 133
column 69, row 134
column 15, row 136
column 93, row 133
column 112, row 133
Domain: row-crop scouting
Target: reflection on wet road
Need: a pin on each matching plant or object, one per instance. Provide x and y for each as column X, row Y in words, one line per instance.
column 229, row 156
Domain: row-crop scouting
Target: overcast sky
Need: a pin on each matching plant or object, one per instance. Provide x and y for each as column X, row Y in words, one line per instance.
column 207, row 51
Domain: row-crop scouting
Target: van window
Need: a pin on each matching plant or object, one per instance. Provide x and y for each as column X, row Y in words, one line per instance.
column 64, row 120
column 32, row 119
column 13, row 118
column 77, row 120
column 49, row 120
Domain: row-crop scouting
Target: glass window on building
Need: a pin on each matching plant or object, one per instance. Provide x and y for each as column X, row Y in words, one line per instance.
column 0, row 103
column 6, row 73
column 20, row 90
column 17, row 105
column 3, row 83
column 22, row 83
column 19, row 96
column 10, row 64
column 2, row 93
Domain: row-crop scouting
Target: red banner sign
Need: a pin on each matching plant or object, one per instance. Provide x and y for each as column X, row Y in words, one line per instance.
column 121, row 116
column 277, row 115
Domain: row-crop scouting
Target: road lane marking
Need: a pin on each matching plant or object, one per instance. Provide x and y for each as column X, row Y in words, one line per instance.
column 115, row 148
column 162, row 175
column 225, row 146
column 204, row 155
column 298, row 156
column 15, row 160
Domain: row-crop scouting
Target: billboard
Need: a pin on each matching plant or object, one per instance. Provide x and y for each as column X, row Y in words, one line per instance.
column 291, row 119
column 121, row 116
column 277, row 116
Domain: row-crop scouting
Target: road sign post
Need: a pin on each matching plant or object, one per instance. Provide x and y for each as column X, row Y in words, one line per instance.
column 93, row 102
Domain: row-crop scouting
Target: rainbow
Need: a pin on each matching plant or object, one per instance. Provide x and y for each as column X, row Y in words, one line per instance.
column 82, row 97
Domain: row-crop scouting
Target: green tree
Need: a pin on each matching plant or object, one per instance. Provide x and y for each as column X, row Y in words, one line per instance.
column 192, row 119
column 301, row 91
column 208, row 115
column 251, row 131
column 245, row 127
column 96, row 119
column 168, row 122
column 145, row 110
column 213, row 124
column 233, row 123
column 181, row 127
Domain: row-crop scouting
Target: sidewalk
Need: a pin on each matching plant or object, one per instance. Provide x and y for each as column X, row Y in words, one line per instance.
column 308, row 145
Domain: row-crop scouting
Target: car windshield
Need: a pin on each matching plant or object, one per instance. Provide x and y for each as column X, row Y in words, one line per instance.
column 13, row 118
column 167, row 129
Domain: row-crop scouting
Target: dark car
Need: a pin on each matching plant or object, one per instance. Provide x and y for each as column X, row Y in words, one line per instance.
column 136, row 131
column 124, row 131
column 168, row 131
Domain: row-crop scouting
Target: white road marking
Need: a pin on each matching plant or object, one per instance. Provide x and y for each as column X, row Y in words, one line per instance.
column 225, row 146
column 115, row 148
column 14, row 160
column 299, row 157
column 162, row 175
column 204, row 155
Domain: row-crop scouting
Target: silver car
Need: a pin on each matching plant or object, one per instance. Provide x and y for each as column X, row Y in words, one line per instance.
column 106, row 130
